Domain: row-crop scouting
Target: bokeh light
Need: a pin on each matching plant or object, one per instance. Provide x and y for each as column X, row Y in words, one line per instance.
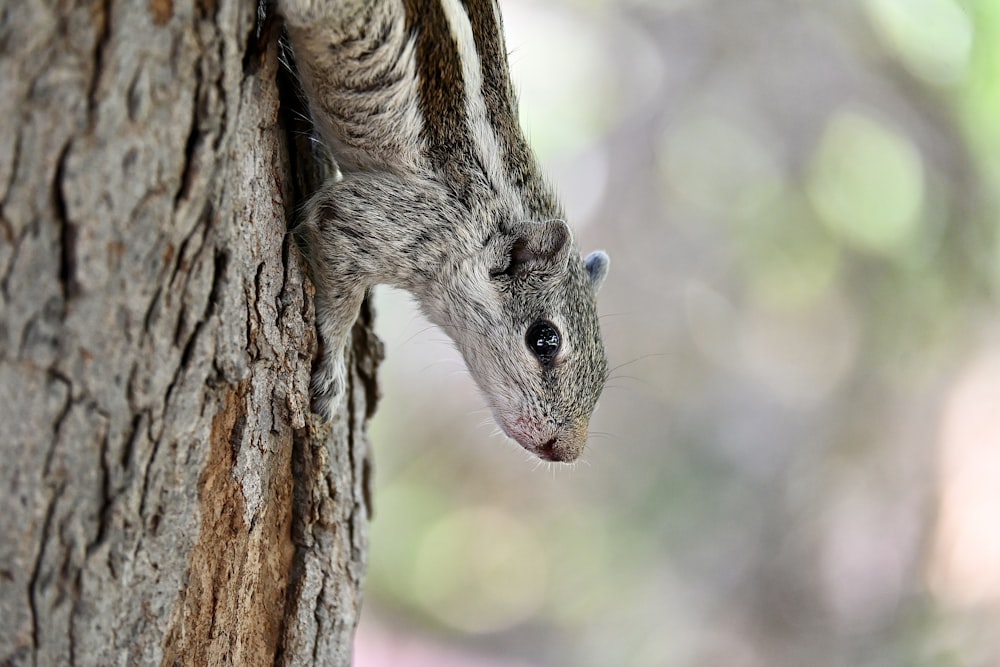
column 933, row 38
column 867, row 183
column 480, row 570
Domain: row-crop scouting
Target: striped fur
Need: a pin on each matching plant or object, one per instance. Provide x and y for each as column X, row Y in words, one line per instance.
column 441, row 195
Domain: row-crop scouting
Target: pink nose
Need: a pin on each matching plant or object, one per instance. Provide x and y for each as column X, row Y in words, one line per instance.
column 553, row 450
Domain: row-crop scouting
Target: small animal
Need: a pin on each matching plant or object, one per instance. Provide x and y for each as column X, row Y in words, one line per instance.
column 439, row 194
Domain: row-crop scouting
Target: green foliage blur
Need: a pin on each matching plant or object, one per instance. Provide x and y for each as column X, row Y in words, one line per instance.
column 802, row 206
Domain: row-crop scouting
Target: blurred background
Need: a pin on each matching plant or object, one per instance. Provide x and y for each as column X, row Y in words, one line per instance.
column 797, row 459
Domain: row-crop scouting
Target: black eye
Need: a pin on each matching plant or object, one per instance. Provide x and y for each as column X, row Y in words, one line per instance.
column 543, row 340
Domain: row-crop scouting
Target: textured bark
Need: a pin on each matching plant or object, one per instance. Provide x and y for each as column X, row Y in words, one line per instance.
column 167, row 498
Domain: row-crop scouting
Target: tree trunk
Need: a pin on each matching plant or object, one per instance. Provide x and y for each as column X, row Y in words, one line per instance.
column 167, row 498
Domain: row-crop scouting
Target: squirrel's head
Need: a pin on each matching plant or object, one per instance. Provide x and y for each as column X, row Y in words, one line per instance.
column 527, row 326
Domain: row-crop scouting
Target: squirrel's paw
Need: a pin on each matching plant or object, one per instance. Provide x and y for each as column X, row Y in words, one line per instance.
column 329, row 380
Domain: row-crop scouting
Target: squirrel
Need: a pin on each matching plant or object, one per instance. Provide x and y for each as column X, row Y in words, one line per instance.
column 439, row 194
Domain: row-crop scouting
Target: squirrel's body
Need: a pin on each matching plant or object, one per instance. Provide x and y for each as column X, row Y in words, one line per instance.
column 441, row 196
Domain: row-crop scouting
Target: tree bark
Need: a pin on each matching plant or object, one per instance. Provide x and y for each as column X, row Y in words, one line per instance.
column 167, row 497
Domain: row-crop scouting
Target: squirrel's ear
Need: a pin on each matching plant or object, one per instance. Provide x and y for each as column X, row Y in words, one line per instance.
column 597, row 264
column 541, row 244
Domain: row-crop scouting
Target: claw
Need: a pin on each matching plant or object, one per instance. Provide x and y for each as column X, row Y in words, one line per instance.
column 328, row 382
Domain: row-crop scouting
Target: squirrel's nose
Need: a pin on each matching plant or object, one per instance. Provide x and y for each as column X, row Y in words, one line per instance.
column 562, row 450
column 547, row 450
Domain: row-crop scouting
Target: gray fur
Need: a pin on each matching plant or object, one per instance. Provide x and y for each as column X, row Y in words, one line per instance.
column 441, row 197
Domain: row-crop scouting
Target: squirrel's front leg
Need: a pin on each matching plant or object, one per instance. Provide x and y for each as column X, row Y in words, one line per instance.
column 339, row 293
column 366, row 229
column 329, row 378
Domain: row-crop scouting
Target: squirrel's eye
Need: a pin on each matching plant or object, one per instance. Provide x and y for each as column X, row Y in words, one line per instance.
column 543, row 340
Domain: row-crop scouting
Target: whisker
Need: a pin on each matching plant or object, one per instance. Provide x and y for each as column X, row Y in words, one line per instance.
column 638, row 359
column 633, row 390
column 640, row 381
column 635, row 378
column 409, row 339
column 301, row 115
column 432, row 364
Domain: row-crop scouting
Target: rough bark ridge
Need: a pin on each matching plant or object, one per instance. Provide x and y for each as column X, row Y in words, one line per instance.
column 166, row 497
